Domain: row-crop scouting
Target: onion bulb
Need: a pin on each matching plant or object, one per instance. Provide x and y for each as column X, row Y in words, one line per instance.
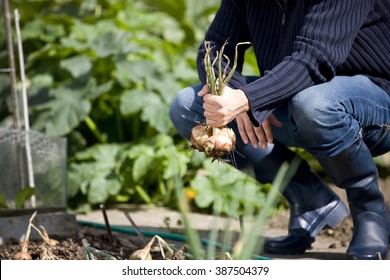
column 215, row 142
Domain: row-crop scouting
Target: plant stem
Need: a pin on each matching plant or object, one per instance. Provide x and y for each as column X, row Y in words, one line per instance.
column 95, row 130
column 217, row 84
column 147, row 199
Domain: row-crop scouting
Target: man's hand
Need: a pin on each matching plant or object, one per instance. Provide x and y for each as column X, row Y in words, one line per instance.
column 221, row 110
column 257, row 136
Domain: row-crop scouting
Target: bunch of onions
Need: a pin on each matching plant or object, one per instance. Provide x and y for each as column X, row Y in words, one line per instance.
column 215, row 141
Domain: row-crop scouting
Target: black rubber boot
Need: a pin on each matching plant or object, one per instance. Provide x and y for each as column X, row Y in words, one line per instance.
column 313, row 205
column 355, row 171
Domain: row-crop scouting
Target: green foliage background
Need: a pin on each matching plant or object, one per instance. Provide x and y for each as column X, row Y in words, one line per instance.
column 102, row 74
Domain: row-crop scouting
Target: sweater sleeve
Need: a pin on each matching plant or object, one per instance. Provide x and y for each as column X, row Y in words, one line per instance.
column 324, row 42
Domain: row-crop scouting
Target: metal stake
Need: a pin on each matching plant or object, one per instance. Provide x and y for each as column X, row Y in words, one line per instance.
column 108, row 228
column 140, row 234
column 30, row 170
column 15, row 99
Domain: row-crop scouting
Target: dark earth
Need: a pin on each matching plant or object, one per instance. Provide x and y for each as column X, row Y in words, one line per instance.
column 121, row 246
column 71, row 248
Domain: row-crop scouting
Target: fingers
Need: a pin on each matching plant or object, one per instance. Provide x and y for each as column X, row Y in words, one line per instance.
column 219, row 110
column 211, row 111
column 205, row 90
column 215, row 115
column 274, row 121
column 256, row 136
column 261, row 136
column 212, row 119
column 215, row 110
column 245, row 132
column 267, row 130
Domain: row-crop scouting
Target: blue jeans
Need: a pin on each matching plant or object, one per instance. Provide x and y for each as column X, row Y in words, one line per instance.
column 323, row 119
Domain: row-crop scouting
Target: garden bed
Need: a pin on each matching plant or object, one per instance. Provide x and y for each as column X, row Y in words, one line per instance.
column 121, row 246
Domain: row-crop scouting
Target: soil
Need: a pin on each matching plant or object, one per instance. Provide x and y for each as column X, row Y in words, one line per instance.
column 119, row 247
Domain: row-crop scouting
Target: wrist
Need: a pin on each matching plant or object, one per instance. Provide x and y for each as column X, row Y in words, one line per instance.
column 244, row 102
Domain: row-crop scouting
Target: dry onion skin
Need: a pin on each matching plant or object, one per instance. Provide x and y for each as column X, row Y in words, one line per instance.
column 144, row 253
column 22, row 256
column 221, row 142
column 215, row 141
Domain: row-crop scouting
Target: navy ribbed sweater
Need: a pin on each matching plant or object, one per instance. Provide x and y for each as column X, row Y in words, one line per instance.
column 300, row 43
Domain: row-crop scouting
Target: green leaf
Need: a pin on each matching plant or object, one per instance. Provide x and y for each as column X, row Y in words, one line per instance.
column 78, row 176
column 102, row 88
column 167, row 86
column 109, row 43
column 23, row 195
column 78, row 66
column 97, row 192
column 39, row 28
column 164, row 140
column 104, row 155
column 142, row 166
column 140, row 150
column 3, row 205
column 98, row 168
column 103, row 186
column 228, row 190
column 128, row 73
column 175, row 8
column 133, row 101
column 143, row 156
column 42, row 80
column 174, row 162
column 113, row 186
column 205, row 194
column 157, row 116
column 66, row 110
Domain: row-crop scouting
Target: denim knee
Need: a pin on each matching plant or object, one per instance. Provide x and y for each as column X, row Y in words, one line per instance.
column 310, row 112
column 321, row 121
column 186, row 110
column 178, row 106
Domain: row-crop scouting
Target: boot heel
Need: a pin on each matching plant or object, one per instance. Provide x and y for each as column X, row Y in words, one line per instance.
column 332, row 218
column 338, row 214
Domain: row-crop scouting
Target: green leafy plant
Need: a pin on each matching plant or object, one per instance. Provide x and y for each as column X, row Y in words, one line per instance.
column 139, row 172
column 250, row 241
column 217, row 185
column 103, row 74
column 21, row 197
